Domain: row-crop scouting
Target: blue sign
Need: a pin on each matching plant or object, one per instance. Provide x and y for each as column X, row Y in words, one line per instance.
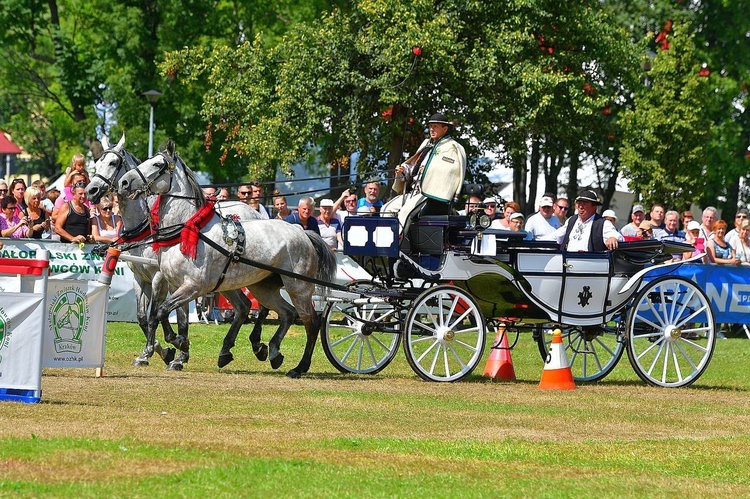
column 727, row 288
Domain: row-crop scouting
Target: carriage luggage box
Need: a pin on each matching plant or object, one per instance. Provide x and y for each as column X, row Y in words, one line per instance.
column 371, row 236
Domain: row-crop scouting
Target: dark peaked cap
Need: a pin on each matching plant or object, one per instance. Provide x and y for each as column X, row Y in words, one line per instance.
column 588, row 195
column 440, row 118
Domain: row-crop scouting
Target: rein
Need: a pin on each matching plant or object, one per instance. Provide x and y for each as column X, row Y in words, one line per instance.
column 270, row 268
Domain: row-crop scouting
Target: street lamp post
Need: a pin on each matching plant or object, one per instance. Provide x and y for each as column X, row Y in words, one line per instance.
column 152, row 96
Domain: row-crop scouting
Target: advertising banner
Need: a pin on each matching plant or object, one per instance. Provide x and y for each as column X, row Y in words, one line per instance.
column 71, row 261
column 21, row 316
column 727, row 288
column 75, row 325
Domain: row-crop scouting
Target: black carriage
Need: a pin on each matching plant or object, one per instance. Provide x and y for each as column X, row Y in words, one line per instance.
column 452, row 283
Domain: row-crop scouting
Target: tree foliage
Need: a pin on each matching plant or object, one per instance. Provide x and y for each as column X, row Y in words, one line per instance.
column 366, row 80
column 251, row 87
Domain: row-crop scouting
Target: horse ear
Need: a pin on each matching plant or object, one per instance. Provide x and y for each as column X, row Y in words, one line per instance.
column 170, row 147
column 105, row 142
column 121, row 144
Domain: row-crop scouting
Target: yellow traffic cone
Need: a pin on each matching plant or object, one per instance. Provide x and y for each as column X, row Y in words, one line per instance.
column 557, row 374
column 499, row 364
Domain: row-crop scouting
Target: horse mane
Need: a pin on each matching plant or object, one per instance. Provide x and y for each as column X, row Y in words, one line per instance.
column 192, row 181
column 131, row 159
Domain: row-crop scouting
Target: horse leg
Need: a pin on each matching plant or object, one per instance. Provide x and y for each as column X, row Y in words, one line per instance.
column 273, row 282
column 260, row 349
column 181, row 340
column 269, row 297
column 179, row 299
column 143, row 292
column 240, row 312
column 311, row 320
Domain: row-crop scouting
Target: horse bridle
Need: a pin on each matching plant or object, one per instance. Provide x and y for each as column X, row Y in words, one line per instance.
column 110, row 182
column 168, row 167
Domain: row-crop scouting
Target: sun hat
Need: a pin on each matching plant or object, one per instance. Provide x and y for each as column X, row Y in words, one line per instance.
column 609, row 214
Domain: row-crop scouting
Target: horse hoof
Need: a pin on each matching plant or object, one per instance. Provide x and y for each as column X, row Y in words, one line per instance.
column 168, row 355
column 293, row 374
column 277, row 361
column 225, row 359
column 140, row 362
column 261, row 352
column 174, row 366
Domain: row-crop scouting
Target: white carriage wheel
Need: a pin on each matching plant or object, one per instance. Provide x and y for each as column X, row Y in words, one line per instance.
column 359, row 337
column 444, row 335
column 592, row 351
column 671, row 332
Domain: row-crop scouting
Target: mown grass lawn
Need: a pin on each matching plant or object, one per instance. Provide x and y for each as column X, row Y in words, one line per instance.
column 249, row 431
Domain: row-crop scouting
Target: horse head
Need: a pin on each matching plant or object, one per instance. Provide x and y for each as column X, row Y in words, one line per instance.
column 153, row 176
column 107, row 169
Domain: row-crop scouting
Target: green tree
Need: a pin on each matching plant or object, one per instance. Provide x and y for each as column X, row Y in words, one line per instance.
column 509, row 72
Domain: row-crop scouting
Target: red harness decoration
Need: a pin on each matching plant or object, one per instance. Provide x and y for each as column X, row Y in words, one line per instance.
column 190, row 234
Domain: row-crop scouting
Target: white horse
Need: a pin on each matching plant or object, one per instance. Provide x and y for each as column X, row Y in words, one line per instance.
column 149, row 286
column 275, row 253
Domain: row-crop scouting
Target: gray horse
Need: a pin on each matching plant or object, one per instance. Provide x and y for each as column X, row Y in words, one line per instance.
column 280, row 254
column 150, row 289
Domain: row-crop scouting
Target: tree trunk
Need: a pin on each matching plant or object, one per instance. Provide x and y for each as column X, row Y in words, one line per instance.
column 572, row 190
column 527, row 206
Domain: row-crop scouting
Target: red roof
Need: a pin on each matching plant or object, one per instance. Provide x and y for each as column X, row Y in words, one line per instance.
column 8, row 147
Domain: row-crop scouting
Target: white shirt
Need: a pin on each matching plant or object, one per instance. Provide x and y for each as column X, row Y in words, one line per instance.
column 581, row 233
column 538, row 226
column 263, row 212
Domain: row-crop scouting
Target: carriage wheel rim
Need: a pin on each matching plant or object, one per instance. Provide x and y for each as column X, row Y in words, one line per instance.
column 444, row 335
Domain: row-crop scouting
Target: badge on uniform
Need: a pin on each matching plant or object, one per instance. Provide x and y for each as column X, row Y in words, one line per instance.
column 448, row 160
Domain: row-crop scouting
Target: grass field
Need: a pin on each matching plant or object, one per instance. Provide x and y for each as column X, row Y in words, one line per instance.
column 249, row 431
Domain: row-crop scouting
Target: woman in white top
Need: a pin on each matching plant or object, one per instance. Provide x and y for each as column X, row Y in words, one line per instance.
column 742, row 243
column 107, row 226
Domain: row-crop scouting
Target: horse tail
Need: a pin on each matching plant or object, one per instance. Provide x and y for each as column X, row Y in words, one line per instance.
column 326, row 259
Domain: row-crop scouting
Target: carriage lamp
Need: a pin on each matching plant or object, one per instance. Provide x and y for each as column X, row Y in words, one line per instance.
column 479, row 222
column 152, row 96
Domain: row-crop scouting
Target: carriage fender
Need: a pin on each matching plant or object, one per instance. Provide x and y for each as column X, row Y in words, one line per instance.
column 638, row 276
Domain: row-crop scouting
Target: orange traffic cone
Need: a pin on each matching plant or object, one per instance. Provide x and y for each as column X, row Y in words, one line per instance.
column 557, row 374
column 499, row 364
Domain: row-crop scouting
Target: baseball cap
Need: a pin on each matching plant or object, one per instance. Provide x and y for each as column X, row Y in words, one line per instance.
column 515, row 215
column 637, row 208
column 546, row 201
column 645, row 225
column 489, row 200
column 326, row 202
column 610, row 214
column 693, row 225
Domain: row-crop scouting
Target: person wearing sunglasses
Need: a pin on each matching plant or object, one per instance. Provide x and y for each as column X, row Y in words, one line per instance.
column 106, row 226
column 251, row 194
column 73, row 222
column 739, row 218
column 561, row 209
column 348, row 199
column 10, row 224
column 3, row 188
